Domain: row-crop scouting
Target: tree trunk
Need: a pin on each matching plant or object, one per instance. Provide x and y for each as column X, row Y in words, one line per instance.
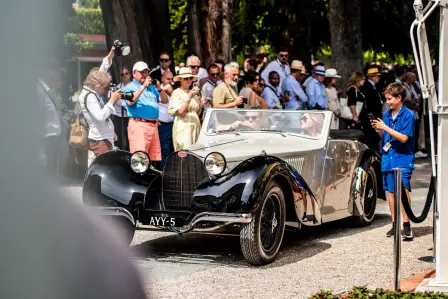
column 142, row 24
column 346, row 38
column 209, row 30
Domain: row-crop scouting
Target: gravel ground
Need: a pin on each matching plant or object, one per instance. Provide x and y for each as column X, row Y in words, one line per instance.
column 335, row 257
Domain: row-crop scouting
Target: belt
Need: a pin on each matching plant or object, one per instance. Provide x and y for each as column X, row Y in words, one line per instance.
column 152, row 121
column 165, row 123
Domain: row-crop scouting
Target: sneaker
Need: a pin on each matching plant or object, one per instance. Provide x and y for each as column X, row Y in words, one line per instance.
column 391, row 232
column 419, row 154
column 407, row 233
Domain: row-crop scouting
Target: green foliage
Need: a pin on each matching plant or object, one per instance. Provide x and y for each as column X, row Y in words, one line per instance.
column 89, row 3
column 364, row 292
column 178, row 24
column 87, row 20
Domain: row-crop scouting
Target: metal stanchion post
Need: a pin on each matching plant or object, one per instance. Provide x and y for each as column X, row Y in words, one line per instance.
column 397, row 227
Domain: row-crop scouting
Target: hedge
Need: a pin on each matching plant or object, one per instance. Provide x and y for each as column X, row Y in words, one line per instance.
column 363, row 292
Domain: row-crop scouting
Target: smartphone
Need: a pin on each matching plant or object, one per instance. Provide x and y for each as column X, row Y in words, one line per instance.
column 245, row 101
column 371, row 116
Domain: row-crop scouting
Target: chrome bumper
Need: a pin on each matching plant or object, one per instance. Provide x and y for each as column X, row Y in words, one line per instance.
column 224, row 218
column 114, row 211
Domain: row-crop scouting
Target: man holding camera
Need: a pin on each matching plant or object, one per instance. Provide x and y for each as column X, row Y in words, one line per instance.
column 225, row 96
column 143, row 111
column 397, row 131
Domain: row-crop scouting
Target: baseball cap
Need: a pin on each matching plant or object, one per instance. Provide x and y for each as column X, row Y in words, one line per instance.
column 140, row 66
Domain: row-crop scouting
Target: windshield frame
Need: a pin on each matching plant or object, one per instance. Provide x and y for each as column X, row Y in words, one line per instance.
column 210, row 111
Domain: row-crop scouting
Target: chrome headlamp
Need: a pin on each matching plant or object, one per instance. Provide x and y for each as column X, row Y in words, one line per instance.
column 215, row 163
column 140, row 162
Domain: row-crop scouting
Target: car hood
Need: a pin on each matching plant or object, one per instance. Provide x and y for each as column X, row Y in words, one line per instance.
column 238, row 148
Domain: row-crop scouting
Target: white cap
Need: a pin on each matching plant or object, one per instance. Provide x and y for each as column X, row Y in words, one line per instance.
column 140, row 66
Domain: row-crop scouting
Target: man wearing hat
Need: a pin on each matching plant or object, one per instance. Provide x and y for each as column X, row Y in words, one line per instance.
column 294, row 96
column 143, row 111
column 317, row 99
column 374, row 105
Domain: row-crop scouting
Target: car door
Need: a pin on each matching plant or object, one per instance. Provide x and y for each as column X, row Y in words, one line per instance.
column 336, row 179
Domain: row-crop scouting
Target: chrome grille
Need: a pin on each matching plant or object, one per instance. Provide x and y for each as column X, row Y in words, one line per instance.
column 297, row 163
column 180, row 178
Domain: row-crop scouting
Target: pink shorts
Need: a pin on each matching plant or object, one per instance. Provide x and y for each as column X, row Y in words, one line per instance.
column 144, row 136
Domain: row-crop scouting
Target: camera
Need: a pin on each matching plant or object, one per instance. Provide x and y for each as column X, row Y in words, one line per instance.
column 154, row 81
column 246, row 101
column 121, row 49
column 128, row 96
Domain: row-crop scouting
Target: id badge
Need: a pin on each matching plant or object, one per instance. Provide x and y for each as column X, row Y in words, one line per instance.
column 386, row 147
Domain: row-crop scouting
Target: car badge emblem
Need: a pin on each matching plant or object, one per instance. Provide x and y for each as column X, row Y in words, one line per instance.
column 182, row 154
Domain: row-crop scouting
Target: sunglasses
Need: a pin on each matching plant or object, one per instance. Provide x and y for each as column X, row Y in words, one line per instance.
column 283, row 55
column 194, row 66
column 304, row 118
column 251, row 117
column 124, row 74
column 215, row 74
column 188, row 78
column 164, row 60
column 261, row 85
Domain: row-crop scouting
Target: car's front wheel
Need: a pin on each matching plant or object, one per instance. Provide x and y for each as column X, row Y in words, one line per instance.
column 124, row 229
column 261, row 238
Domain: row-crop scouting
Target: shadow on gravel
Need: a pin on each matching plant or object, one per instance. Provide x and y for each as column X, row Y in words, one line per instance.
column 420, row 231
column 225, row 250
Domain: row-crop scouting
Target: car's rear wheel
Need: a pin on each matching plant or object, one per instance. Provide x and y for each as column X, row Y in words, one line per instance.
column 261, row 238
column 370, row 198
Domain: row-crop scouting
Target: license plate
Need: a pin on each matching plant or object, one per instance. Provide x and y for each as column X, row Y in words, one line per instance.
column 165, row 221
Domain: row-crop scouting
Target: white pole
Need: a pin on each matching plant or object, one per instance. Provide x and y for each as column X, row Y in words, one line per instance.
column 442, row 157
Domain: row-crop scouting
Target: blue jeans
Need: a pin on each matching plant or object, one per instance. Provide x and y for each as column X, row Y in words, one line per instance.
column 166, row 141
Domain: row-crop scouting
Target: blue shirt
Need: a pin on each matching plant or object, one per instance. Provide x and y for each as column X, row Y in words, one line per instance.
column 272, row 96
column 297, row 96
column 316, row 94
column 400, row 155
column 146, row 105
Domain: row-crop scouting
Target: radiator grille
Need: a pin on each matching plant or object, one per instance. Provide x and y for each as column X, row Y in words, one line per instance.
column 297, row 163
column 180, row 178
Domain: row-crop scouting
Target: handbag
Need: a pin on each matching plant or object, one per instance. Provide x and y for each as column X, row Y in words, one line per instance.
column 346, row 113
column 79, row 135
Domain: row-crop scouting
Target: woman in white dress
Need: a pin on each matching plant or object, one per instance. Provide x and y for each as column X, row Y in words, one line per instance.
column 332, row 96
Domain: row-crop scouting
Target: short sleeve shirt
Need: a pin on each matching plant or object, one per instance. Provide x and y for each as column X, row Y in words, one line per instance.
column 146, row 105
column 400, row 155
column 224, row 94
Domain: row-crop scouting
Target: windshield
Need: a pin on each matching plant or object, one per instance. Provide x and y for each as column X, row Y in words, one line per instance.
column 306, row 123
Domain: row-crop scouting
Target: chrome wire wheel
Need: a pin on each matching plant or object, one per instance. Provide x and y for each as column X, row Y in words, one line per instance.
column 261, row 239
column 270, row 226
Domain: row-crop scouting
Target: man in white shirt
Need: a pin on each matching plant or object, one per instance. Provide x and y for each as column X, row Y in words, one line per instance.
column 213, row 80
column 280, row 65
column 166, row 120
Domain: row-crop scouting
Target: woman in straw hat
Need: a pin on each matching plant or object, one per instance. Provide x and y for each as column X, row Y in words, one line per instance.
column 185, row 105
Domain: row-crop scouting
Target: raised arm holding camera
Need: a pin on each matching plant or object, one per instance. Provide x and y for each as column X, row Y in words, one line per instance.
column 96, row 113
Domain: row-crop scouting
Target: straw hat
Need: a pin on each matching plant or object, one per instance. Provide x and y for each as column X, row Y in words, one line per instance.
column 184, row 72
column 373, row 72
column 296, row 65
column 320, row 70
column 331, row 73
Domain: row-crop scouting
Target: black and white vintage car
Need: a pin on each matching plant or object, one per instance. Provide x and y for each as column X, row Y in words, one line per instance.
column 251, row 171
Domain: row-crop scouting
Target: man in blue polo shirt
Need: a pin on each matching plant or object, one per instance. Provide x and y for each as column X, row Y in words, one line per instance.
column 397, row 131
column 143, row 112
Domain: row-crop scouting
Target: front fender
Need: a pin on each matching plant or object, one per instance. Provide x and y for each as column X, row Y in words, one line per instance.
column 110, row 181
column 241, row 190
